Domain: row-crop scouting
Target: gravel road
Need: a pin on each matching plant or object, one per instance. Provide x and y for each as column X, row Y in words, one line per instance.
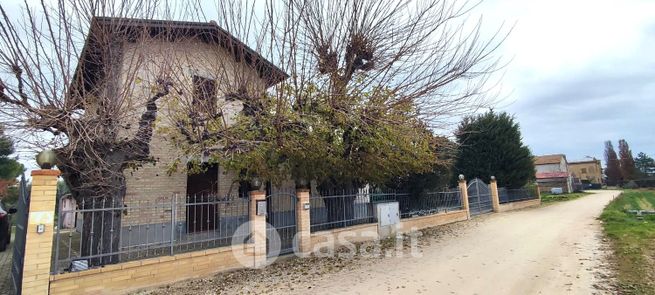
column 555, row 249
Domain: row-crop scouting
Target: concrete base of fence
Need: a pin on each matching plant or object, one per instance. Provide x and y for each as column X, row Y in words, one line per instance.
column 130, row 276
column 519, row 205
column 328, row 240
column 421, row 222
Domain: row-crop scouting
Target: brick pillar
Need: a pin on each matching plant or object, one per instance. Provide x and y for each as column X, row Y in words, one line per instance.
column 495, row 200
column 538, row 192
column 258, row 229
column 303, row 235
column 463, row 192
column 38, row 246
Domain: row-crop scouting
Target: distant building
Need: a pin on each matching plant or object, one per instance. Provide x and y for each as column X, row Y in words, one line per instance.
column 589, row 172
column 553, row 171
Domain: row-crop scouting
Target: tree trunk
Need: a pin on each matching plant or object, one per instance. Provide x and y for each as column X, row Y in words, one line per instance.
column 101, row 205
column 101, row 229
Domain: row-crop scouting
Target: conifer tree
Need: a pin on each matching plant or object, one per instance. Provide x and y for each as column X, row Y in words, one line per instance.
column 491, row 144
column 613, row 169
column 627, row 162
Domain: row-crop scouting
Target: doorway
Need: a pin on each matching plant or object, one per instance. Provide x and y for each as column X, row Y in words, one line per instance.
column 202, row 189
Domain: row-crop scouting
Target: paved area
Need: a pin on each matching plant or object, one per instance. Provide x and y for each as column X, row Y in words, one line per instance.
column 5, row 270
column 555, row 249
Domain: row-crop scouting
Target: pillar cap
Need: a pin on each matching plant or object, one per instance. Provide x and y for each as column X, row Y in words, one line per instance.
column 46, row 172
column 461, row 177
column 493, row 178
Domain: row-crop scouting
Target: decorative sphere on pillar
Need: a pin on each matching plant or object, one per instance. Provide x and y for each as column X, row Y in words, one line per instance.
column 302, row 183
column 46, row 159
column 256, row 183
column 493, row 177
column 461, row 177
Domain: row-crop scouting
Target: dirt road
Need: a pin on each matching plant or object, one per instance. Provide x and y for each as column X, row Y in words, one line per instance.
column 548, row 250
column 554, row 249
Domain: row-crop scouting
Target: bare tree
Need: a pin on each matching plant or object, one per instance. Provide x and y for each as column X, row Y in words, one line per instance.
column 74, row 70
column 65, row 74
column 351, row 65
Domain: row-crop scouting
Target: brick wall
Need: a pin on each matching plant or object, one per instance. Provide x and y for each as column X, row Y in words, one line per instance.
column 125, row 277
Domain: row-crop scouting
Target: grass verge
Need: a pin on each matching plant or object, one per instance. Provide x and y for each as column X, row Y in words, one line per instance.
column 549, row 198
column 633, row 240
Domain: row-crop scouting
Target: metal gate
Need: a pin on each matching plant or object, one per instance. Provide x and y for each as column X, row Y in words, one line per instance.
column 281, row 227
column 479, row 197
column 19, row 239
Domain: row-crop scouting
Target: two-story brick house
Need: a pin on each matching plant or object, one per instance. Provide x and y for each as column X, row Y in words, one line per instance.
column 203, row 60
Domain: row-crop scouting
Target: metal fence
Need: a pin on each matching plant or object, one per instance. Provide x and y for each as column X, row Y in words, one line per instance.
column 506, row 195
column 97, row 232
column 429, row 203
column 330, row 210
column 18, row 254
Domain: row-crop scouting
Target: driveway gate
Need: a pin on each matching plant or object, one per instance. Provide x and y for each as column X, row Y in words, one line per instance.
column 479, row 197
column 19, row 239
column 281, row 219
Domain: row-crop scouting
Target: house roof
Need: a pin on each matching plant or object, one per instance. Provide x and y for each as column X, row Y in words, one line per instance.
column 595, row 161
column 91, row 60
column 544, row 175
column 549, row 159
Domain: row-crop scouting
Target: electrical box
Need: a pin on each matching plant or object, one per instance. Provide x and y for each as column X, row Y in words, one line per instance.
column 388, row 215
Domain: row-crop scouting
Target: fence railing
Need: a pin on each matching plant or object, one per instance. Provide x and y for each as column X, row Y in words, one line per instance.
column 336, row 210
column 506, row 195
column 342, row 209
column 429, row 203
column 99, row 232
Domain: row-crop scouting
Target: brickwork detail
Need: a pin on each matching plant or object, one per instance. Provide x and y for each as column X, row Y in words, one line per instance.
column 38, row 246
column 303, row 224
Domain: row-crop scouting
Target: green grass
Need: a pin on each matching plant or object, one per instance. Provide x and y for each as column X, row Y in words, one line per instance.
column 549, row 199
column 633, row 240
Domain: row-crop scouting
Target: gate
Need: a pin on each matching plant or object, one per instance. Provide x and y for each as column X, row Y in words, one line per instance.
column 281, row 219
column 19, row 239
column 479, row 197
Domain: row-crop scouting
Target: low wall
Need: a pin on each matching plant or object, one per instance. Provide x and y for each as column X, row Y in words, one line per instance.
column 422, row 222
column 519, row 205
column 125, row 277
column 331, row 239
column 130, row 276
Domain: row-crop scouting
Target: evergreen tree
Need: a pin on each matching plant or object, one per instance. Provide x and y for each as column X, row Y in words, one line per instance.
column 645, row 164
column 628, row 169
column 9, row 167
column 491, row 144
column 613, row 169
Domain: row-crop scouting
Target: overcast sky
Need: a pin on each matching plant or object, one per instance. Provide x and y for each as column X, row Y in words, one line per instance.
column 582, row 72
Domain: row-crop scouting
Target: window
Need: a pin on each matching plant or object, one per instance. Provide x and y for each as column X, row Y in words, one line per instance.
column 583, row 170
column 204, row 95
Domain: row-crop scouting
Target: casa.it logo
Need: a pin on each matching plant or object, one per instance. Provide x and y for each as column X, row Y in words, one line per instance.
column 245, row 249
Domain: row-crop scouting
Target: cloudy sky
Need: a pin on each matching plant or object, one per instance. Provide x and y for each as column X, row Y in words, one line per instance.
column 581, row 72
